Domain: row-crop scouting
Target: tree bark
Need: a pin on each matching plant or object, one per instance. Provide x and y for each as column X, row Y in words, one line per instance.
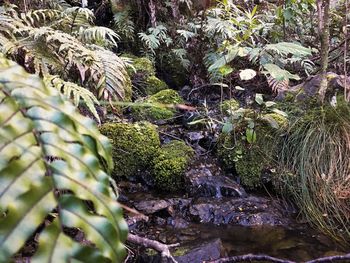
column 323, row 29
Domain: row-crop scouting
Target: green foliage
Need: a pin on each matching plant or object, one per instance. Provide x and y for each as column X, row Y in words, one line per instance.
column 229, row 106
column 74, row 92
column 140, row 66
column 52, row 42
column 154, row 38
column 123, row 25
column 170, row 165
column 159, row 106
column 53, row 161
column 249, row 140
column 250, row 157
column 134, row 146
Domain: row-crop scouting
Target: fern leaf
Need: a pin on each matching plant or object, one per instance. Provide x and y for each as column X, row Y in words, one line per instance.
column 58, row 4
column 113, row 76
column 277, row 85
column 41, row 17
column 74, row 92
column 75, row 18
column 123, row 25
column 98, row 35
column 35, row 122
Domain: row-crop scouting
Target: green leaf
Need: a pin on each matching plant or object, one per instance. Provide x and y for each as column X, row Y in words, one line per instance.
column 251, row 135
column 225, row 70
column 48, row 150
column 227, row 128
column 271, row 121
column 259, row 98
column 282, row 113
column 279, row 74
column 270, row 104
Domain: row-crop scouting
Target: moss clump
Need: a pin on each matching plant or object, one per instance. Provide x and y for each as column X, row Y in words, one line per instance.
column 158, row 109
column 273, row 118
column 248, row 159
column 153, row 85
column 252, row 163
column 128, row 90
column 170, row 165
column 141, row 66
column 134, row 146
column 229, row 106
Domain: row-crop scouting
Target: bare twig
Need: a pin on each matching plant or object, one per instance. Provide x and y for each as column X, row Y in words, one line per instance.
column 160, row 247
column 250, row 257
column 330, row 259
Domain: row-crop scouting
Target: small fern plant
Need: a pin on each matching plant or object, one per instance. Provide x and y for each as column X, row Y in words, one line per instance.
column 66, row 43
column 54, row 168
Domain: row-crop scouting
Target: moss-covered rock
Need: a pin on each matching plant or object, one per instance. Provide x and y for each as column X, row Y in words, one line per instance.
column 153, row 85
column 134, row 146
column 275, row 120
column 229, row 106
column 171, row 164
column 141, row 66
column 128, row 90
column 157, row 106
column 249, row 159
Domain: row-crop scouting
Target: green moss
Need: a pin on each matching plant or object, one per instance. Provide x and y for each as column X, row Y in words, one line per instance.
column 228, row 106
column 248, row 159
column 159, row 109
column 251, row 164
column 168, row 96
column 170, row 165
column 141, row 66
column 153, row 85
column 180, row 251
column 128, row 90
column 134, row 146
column 280, row 120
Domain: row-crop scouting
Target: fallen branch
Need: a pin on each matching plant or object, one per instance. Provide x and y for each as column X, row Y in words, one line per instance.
column 160, row 247
column 330, row 259
column 249, row 258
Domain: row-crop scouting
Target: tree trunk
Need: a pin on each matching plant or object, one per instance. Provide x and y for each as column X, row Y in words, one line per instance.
column 323, row 29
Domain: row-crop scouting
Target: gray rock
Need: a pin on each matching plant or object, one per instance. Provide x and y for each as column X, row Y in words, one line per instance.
column 151, row 206
column 250, row 211
column 208, row 251
column 201, row 183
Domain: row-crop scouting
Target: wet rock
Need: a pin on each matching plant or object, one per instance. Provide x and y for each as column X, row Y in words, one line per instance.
column 248, row 211
column 201, row 182
column 151, row 206
column 163, row 207
column 134, row 220
column 194, row 136
column 208, row 251
column 178, row 222
column 159, row 221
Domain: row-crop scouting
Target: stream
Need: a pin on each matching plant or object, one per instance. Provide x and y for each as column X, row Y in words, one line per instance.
column 208, row 228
